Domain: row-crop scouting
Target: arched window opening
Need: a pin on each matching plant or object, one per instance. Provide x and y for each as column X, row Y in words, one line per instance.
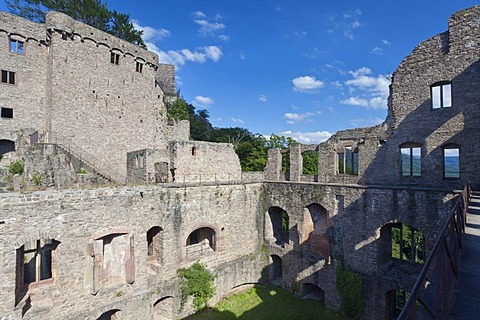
column 6, row 146
column 155, row 245
column 280, row 225
column 314, row 236
column 313, row 292
column 310, row 162
column 200, row 242
column 411, row 159
column 276, row 270
column 407, row 243
column 111, row 315
column 347, row 160
column 163, row 309
column 451, row 161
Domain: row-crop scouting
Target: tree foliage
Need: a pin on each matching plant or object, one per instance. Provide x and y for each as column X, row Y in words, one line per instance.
column 92, row 12
column 251, row 148
column 196, row 281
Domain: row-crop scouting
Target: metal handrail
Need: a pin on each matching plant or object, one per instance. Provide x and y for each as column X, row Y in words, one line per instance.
column 98, row 167
column 432, row 292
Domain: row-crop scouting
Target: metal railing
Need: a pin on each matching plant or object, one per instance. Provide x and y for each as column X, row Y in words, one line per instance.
column 98, row 167
column 219, row 178
column 431, row 297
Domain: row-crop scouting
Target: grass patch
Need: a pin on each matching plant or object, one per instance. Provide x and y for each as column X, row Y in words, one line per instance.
column 265, row 302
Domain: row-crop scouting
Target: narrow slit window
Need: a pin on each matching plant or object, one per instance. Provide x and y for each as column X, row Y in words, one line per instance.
column 139, row 67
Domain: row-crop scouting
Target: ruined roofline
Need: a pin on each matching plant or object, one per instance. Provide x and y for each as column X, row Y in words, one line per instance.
column 75, row 30
column 21, row 28
column 441, row 41
column 62, row 22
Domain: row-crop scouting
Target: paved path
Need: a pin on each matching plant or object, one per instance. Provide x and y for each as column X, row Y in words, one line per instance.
column 466, row 305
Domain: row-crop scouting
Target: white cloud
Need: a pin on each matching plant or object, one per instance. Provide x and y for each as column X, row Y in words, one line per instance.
column 293, row 118
column 204, row 102
column 351, row 23
column 180, row 57
column 237, row 120
column 371, row 91
column 355, row 101
column 378, row 51
column 372, row 121
column 149, row 33
column 199, row 14
column 262, row 98
column 223, row 37
column 386, row 42
column 308, row 137
column 307, row 84
column 209, row 28
column 213, row 52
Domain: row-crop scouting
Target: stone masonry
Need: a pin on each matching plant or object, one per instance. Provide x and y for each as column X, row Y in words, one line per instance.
column 113, row 253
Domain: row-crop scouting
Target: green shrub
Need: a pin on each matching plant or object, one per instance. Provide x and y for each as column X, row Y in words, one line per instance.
column 16, row 167
column 196, row 281
column 36, row 179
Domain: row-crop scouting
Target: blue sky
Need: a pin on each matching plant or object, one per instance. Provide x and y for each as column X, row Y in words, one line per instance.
column 303, row 68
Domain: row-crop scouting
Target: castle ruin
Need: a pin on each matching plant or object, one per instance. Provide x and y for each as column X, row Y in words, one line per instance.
column 73, row 95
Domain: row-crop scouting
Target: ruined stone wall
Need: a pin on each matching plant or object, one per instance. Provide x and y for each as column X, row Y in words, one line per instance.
column 79, row 220
column 106, row 108
column 27, row 96
column 197, row 161
column 352, row 233
column 451, row 57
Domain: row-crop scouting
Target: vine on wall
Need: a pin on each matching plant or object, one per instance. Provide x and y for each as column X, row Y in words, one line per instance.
column 349, row 286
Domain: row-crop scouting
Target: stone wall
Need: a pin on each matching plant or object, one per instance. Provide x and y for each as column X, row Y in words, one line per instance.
column 196, row 161
column 451, row 57
column 27, row 97
column 328, row 224
column 82, row 221
column 88, row 85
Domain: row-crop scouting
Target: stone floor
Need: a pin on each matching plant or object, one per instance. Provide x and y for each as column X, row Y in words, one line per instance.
column 466, row 305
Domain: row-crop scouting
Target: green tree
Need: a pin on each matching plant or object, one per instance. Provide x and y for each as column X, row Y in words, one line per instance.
column 310, row 162
column 178, row 109
column 92, row 12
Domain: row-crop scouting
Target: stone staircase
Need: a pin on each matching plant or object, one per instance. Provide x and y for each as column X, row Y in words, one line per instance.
column 78, row 155
column 466, row 305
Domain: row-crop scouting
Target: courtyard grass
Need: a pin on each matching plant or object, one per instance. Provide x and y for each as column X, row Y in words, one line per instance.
column 265, row 302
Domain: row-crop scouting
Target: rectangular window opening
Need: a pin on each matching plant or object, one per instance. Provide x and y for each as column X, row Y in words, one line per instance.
column 114, row 58
column 411, row 161
column 8, row 77
column 16, row 46
column 451, row 163
column 139, row 67
column 441, row 96
column 7, row 113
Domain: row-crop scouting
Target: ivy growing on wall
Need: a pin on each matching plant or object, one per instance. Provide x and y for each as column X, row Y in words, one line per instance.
column 349, row 286
column 196, row 281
